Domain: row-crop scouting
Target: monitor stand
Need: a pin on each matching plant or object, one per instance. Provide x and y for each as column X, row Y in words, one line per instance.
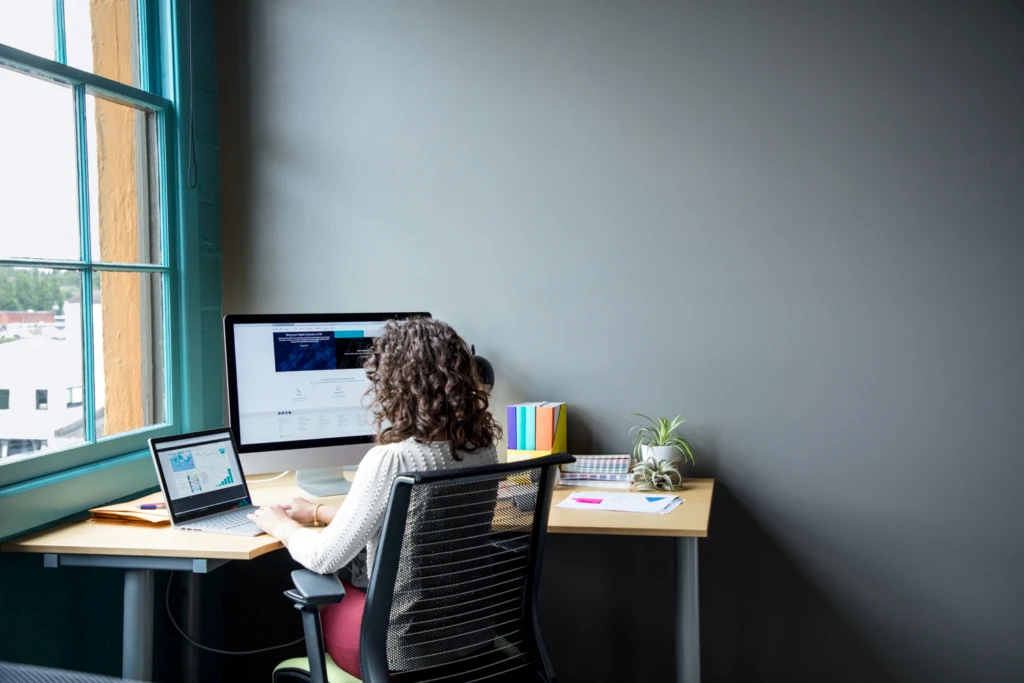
column 329, row 481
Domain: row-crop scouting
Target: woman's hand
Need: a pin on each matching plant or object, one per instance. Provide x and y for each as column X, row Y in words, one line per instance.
column 275, row 521
column 300, row 509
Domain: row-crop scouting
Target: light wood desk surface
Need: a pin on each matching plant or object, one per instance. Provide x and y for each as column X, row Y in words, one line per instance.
column 103, row 537
column 100, row 537
column 688, row 520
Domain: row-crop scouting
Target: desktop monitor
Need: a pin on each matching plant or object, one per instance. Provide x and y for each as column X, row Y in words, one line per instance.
column 296, row 393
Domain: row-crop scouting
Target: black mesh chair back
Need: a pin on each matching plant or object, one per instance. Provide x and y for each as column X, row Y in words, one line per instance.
column 453, row 591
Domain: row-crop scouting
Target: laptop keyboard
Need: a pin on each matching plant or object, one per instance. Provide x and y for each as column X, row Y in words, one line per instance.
column 226, row 521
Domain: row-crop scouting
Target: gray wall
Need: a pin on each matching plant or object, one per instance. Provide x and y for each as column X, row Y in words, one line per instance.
column 801, row 226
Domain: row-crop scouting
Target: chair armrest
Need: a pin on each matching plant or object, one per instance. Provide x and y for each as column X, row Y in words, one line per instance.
column 315, row 590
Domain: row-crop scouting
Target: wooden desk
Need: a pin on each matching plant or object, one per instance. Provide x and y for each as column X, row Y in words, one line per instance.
column 140, row 550
column 99, row 537
column 689, row 520
column 684, row 525
column 102, row 537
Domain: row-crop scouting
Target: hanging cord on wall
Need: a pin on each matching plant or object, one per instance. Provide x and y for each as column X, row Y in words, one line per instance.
column 167, row 604
column 193, row 167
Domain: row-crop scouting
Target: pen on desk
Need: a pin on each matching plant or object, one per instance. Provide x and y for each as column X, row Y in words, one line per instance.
column 153, row 506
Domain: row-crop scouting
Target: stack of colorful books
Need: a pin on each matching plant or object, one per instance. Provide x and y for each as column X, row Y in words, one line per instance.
column 536, row 429
column 599, row 471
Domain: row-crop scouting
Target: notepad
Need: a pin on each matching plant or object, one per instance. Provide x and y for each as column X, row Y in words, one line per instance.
column 648, row 503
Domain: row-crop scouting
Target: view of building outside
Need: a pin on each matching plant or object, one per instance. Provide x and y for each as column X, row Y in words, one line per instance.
column 43, row 359
column 42, row 379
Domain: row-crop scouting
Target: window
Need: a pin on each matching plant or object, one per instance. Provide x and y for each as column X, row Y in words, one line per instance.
column 75, row 397
column 85, row 244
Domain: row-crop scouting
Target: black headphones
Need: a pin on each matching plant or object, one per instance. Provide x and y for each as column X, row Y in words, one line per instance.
column 484, row 367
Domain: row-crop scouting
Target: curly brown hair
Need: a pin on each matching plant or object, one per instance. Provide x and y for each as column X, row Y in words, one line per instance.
column 425, row 385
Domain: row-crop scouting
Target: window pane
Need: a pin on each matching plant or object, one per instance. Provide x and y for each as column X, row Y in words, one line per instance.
column 129, row 358
column 38, row 173
column 28, row 25
column 102, row 38
column 123, row 183
column 40, row 359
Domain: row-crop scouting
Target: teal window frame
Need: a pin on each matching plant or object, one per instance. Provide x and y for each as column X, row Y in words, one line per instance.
column 162, row 26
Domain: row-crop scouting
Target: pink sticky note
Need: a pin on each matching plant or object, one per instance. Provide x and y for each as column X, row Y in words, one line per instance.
column 595, row 501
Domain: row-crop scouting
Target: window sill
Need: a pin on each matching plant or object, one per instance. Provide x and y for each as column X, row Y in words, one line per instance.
column 40, row 502
column 38, row 467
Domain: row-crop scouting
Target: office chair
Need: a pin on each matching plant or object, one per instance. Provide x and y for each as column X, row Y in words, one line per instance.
column 453, row 592
column 24, row 673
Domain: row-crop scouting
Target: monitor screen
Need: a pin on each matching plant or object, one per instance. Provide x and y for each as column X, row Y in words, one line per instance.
column 299, row 380
column 200, row 472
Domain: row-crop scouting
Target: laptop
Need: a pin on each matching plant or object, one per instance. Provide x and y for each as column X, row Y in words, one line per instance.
column 203, row 484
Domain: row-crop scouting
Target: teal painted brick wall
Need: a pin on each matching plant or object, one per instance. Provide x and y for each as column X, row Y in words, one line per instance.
column 208, row 192
column 71, row 617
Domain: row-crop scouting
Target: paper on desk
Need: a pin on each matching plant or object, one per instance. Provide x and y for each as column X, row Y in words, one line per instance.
column 649, row 503
column 672, row 506
column 131, row 512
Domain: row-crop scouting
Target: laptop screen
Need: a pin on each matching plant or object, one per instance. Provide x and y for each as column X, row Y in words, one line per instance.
column 201, row 474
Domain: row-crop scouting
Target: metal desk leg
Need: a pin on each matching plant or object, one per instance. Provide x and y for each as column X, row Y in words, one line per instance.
column 137, row 640
column 190, row 623
column 687, row 612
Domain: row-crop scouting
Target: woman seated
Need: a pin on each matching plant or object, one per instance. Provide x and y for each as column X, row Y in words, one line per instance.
column 430, row 411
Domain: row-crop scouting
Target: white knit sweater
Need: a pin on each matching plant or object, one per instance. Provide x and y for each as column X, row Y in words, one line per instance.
column 358, row 522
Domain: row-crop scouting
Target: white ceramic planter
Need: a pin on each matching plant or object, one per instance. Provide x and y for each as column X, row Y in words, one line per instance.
column 661, row 453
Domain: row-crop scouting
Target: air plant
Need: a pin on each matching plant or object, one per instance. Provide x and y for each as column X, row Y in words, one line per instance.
column 655, row 475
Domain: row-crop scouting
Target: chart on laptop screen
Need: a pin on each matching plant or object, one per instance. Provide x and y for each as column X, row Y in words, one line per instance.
column 200, row 468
